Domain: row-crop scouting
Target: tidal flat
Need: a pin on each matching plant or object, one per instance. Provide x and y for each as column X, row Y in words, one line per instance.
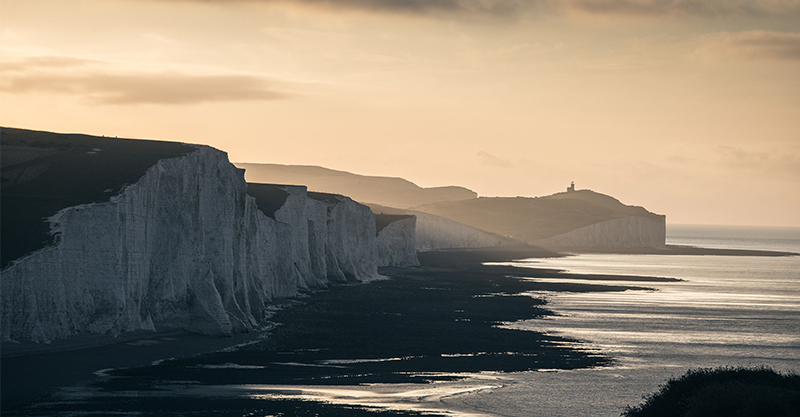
column 440, row 322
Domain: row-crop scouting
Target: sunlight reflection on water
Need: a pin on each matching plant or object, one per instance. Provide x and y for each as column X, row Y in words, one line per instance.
column 727, row 311
column 753, row 303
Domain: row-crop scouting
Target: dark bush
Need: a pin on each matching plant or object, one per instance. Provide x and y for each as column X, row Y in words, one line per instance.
column 728, row 392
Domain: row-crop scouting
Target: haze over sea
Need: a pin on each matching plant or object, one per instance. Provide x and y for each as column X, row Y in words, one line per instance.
column 727, row 311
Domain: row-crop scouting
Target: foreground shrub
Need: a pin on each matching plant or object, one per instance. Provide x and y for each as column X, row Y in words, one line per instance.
column 728, row 392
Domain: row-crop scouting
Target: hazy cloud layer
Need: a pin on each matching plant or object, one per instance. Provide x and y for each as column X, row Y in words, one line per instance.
column 484, row 7
column 754, row 44
column 772, row 163
column 710, row 8
column 493, row 161
column 45, row 62
column 92, row 81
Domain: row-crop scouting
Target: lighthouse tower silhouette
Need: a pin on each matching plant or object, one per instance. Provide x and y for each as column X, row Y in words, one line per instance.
column 571, row 187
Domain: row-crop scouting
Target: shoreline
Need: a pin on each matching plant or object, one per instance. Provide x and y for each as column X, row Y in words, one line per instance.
column 673, row 250
column 32, row 377
column 29, row 377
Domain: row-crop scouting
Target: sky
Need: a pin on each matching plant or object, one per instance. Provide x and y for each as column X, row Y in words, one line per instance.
column 690, row 108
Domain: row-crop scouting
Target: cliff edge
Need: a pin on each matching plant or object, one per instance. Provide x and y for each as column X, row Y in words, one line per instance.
column 397, row 240
column 183, row 243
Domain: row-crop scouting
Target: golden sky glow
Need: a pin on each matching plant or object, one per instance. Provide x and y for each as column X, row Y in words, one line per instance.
column 689, row 108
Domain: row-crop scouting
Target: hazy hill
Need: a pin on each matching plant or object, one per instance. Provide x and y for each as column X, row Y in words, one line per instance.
column 387, row 191
column 532, row 219
column 454, row 216
column 436, row 232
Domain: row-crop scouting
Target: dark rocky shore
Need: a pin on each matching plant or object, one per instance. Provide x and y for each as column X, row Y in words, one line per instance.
column 433, row 323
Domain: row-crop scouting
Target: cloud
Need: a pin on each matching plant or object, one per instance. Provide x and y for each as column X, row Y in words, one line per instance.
column 740, row 158
column 482, row 7
column 493, row 161
column 100, row 85
column 515, row 8
column 425, row 6
column 755, row 44
column 706, row 8
column 777, row 164
column 45, row 62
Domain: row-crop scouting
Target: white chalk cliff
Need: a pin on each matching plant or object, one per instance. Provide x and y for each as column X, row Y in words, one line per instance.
column 350, row 241
column 397, row 243
column 184, row 247
column 625, row 232
column 436, row 232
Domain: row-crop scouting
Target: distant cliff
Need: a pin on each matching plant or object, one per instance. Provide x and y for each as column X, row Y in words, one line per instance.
column 332, row 238
column 435, row 232
column 453, row 217
column 625, row 232
column 388, row 191
column 185, row 244
column 579, row 218
column 397, row 240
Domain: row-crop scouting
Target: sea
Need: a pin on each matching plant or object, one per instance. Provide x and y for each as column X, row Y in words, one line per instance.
column 722, row 311
column 727, row 311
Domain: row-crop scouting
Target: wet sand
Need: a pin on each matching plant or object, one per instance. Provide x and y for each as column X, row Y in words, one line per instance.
column 428, row 324
column 31, row 373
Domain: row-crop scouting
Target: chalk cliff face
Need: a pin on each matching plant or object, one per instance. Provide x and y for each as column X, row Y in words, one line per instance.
column 396, row 243
column 184, row 247
column 350, row 247
column 627, row 232
column 435, row 232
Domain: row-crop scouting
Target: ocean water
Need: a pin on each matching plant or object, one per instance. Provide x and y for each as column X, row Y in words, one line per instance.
column 726, row 311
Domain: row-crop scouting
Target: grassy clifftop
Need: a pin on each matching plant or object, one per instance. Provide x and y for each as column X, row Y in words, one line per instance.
column 528, row 219
column 45, row 172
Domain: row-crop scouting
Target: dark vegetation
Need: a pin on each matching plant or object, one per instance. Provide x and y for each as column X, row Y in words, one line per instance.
column 269, row 197
column 43, row 173
column 326, row 197
column 383, row 220
column 724, row 392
